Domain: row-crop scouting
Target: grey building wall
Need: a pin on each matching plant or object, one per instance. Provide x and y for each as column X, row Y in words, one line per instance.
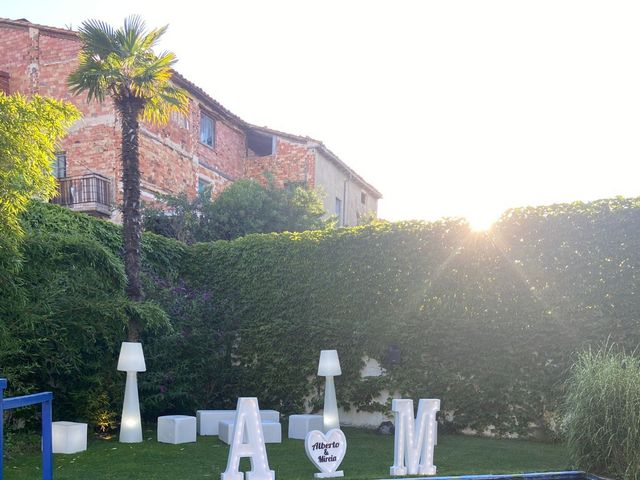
column 355, row 200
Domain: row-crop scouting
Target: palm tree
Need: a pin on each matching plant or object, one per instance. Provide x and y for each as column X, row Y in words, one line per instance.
column 120, row 64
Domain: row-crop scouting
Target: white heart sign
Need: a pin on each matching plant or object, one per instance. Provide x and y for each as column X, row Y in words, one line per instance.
column 326, row 451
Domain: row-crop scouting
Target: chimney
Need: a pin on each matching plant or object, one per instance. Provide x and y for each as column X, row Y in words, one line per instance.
column 4, row 82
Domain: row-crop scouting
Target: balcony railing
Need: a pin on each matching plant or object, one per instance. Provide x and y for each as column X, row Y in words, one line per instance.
column 90, row 193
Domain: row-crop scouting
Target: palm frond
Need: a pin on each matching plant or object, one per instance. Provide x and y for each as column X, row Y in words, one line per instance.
column 90, row 77
column 98, row 38
column 168, row 99
column 129, row 35
column 121, row 63
column 156, row 71
column 151, row 39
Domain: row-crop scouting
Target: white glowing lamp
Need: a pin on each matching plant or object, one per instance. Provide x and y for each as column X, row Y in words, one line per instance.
column 131, row 360
column 329, row 367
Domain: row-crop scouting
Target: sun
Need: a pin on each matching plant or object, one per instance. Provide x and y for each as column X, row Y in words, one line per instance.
column 481, row 220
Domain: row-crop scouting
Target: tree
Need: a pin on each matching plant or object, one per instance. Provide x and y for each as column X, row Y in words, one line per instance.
column 179, row 217
column 242, row 208
column 29, row 131
column 120, row 63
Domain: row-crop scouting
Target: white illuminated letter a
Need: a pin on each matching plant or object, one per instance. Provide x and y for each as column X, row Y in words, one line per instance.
column 248, row 421
column 414, row 441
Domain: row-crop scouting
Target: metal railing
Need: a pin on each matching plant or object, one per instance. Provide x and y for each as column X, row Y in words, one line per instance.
column 45, row 399
column 91, row 192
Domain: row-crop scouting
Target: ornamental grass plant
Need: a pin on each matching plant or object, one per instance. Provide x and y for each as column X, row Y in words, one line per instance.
column 603, row 413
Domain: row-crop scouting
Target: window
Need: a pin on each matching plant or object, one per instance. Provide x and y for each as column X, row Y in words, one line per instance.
column 60, row 165
column 262, row 145
column 363, row 198
column 339, row 210
column 203, row 186
column 207, row 130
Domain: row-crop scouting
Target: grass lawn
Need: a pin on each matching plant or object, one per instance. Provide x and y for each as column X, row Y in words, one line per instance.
column 368, row 456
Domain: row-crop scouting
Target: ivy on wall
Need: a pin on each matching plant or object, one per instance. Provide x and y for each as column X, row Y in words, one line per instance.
column 488, row 322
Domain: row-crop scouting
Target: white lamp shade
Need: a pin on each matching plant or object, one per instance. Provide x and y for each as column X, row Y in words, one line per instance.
column 131, row 358
column 329, row 365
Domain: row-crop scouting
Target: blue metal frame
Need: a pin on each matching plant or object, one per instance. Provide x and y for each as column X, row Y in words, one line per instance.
column 45, row 399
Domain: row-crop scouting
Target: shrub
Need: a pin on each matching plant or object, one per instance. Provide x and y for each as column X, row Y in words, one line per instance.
column 64, row 313
column 72, row 320
column 603, row 413
column 29, row 131
column 240, row 209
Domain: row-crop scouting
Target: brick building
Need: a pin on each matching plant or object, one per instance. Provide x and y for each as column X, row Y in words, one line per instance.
column 209, row 146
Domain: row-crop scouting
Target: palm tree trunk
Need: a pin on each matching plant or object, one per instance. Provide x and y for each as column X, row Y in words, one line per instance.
column 131, row 218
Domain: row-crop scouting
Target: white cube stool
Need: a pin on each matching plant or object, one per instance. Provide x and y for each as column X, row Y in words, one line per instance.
column 272, row 432
column 208, row 420
column 69, row 437
column 269, row 416
column 300, row 425
column 176, row 429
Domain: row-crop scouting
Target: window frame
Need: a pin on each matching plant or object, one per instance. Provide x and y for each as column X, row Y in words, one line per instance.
column 205, row 184
column 59, row 157
column 204, row 114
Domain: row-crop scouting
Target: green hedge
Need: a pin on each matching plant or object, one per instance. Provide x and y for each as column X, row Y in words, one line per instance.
column 486, row 322
column 65, row 313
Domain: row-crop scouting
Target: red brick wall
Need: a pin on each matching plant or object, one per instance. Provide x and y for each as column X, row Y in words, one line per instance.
column 93, row 148
column 164, row 168
column 292, row 162
column 173, row 158
column 15, row 46
column 229, row 150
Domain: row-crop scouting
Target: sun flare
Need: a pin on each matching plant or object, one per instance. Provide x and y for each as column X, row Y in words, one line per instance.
column 481, row 220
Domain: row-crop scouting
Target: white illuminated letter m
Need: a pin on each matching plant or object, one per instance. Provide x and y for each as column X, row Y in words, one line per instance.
column 414, row 440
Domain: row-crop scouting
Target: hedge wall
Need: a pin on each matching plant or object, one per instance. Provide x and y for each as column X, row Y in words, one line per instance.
column 488, row 323
column 65, row 312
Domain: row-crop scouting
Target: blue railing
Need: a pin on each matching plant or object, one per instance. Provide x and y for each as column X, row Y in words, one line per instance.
column 45, row 399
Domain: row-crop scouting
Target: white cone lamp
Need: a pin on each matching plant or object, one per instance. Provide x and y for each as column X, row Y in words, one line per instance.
column 131, row 361
column 329, row 367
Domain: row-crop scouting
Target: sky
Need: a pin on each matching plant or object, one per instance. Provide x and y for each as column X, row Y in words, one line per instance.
column 450, row 108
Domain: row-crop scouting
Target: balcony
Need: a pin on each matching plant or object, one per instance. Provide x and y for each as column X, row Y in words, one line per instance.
column 90, row 194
